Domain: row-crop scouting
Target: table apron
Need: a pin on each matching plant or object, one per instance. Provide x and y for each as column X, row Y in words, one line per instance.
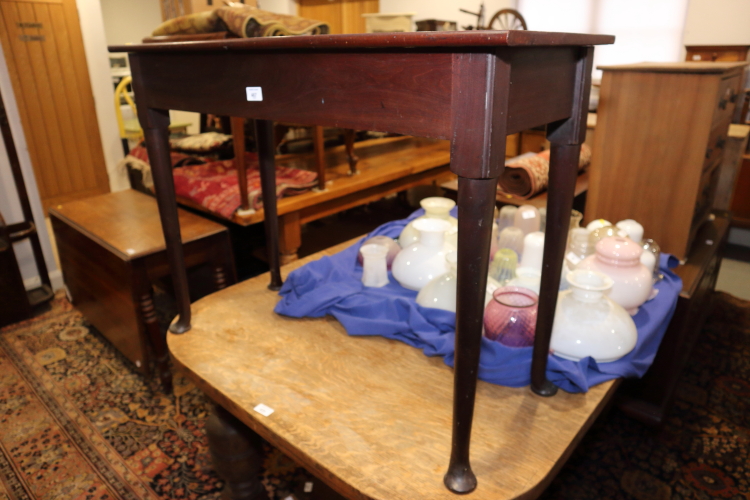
column 403, row 92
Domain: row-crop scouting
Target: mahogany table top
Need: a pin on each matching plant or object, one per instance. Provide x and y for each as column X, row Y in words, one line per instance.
column 415, row 40
column 370, row 416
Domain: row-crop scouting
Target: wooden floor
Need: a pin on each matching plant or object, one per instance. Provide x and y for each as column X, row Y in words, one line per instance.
column 370, row 416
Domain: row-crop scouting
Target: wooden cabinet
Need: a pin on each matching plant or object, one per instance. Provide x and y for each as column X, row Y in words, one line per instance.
column 659, row 141
column 724, row 53
column 342, row 16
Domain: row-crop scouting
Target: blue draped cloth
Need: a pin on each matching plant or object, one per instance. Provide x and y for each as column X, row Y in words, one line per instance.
column 332, row 285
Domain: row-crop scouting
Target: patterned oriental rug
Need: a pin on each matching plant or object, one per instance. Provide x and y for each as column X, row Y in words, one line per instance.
column 77, row 423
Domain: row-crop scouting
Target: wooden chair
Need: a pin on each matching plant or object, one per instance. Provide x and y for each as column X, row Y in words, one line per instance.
column 130, row 129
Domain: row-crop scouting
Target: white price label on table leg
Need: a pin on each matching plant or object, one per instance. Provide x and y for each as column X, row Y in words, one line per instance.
column 263, row 410
column 254, row 93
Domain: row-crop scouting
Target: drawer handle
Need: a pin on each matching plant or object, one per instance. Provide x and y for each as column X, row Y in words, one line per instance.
column 709, row 151
column 720, row 143
column 733, row 99
column 723, row 103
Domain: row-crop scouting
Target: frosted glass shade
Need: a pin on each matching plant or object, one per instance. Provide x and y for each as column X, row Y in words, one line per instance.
column 588, row 323
column 435, row 207
column 424, row 260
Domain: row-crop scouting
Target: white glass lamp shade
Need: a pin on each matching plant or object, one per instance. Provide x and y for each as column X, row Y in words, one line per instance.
column 435, row 207
column 588, row 323
column 374, row 265
column 533, row 250
column 440, row 292
column 424, row 260
column 632, row 228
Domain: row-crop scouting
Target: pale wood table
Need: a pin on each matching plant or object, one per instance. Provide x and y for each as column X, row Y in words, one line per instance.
column 371, row 417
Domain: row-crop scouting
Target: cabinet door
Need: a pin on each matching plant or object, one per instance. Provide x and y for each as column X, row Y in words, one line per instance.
column 43, row 49
column 343, row 16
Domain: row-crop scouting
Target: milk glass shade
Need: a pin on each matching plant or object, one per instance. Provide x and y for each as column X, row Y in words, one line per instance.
column 420, row 262
column 527, row 219
column 435, row 207
column 506, row 217
column 503, row 266
column 510, row 318
column 440, row 292
column 633, row 229
column 374, row 267
column 533, row 250
column 588, row 323
column 389, row 243
column 511, row 237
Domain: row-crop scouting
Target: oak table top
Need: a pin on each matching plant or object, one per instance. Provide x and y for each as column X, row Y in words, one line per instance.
column 370, row 416
column 109, row 220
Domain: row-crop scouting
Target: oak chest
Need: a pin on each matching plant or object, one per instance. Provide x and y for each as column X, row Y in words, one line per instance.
column 659, row 141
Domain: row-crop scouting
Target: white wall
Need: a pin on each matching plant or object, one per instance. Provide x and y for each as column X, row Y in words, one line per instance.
column 718, row 22
column 97, row 59
column 10, row 206
column 129, row 21
column 445, row 10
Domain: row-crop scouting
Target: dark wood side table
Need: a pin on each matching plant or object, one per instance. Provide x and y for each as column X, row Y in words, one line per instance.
column 471, row 88
column 650, row 398
column 112, row 248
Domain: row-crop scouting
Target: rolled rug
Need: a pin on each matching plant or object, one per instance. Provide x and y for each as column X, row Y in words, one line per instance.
column 528, row 175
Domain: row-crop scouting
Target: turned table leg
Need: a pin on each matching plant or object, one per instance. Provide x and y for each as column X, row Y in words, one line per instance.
column 349, row 137
column 290, row 237
column 237, row 455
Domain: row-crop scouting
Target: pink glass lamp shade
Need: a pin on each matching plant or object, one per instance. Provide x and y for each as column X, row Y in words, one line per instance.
column 620, row 259
column 510, row 318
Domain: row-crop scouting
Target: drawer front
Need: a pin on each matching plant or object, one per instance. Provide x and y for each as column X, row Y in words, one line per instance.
column 729, row 90
column 716, row 143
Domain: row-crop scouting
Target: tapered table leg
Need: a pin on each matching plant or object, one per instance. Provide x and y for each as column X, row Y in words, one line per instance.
column 562, row 180
column 264, row 136
column 157, row 143
column 476, row 203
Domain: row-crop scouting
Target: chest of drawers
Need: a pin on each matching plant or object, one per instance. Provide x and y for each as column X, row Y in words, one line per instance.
column 659, row 141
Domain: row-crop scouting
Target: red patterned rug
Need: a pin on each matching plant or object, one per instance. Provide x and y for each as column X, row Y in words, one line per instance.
column 77, row 423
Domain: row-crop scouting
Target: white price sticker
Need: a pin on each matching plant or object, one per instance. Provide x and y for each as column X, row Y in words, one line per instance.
column 263, row 409
column 308, row 487
column 528, row 214
column 254, row 93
